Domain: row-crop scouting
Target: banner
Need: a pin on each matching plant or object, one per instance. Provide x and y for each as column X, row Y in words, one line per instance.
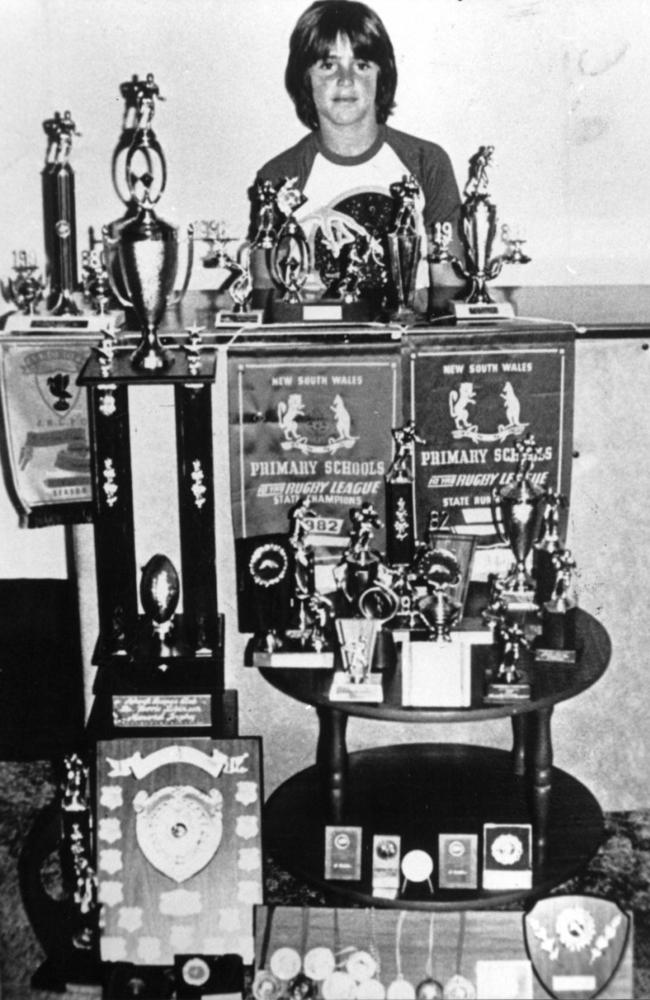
column 310, row 422
column 45, row 448
column 473, row 397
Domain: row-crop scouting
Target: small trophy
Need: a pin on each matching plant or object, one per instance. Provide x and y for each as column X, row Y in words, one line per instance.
column 400, row 508
column 25, row 289
column 478, row 228
column 558, row 627
column 266, row 199
column 141, row 250
column 357, row 638
column 59, row 218
column 521, row 506
column 159, row 594
column 290, row 257
column 439, row 570
column 404, row 243
column 549, row 544
column 510, row 683
column 358, row 568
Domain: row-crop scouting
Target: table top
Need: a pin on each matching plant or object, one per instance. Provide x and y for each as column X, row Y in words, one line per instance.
column 550, row 683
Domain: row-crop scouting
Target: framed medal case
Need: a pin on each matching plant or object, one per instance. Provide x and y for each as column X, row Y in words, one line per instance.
column 178, row 844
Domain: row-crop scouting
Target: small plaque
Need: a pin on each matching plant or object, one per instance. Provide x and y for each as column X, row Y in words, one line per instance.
column 385, row 865
column 504, row 980
column 507, row 856
column 458, row 861
column 567, row 656
column 306, row 660
column 498, row 692
column 322, row 311
column 343, row 853
column 202, row 977
column 482, row 310
column 228, row 317
column 367, row 691
column 147, row 711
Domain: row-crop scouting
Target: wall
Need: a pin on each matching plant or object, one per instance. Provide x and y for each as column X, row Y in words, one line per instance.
column 557, row 88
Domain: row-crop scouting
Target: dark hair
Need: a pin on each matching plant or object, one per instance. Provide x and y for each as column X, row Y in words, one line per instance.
column 317, row 30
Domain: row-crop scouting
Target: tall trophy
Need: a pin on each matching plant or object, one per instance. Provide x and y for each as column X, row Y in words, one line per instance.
column 404, row 242
column 141, row 249
column 400, row 508
column 517, row 513
column 290, row 257
column 478, row 230
column 59, row 214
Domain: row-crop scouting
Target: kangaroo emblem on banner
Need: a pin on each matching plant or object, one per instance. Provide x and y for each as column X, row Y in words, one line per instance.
column 295, row 422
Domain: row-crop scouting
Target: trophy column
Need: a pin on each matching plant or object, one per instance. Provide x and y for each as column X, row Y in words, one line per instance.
column 157, row 671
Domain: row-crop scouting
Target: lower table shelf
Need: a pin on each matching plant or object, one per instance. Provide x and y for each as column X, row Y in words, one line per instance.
column 419, row 791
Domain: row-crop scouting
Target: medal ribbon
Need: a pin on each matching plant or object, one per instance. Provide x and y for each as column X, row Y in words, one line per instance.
column 429, row 965
column 398, row 942
column 461, row 942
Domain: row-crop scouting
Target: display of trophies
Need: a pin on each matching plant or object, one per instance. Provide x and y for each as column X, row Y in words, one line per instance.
column 517, row 513
column 142, row 250
column 59, row 218
column 478, row 230
column 404, row 243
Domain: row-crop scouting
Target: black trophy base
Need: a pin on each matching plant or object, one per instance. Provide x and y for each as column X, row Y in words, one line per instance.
column 326, row 310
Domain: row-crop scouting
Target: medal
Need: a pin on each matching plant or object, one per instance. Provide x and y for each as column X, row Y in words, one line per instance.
column 459, row 987
column 266, row 985
column 417, row 866
column 338, row 985
column 301, row 986
column 285, row 963
column 400, row 988
column 319, row 963
column 429, row 988
column 363, row 966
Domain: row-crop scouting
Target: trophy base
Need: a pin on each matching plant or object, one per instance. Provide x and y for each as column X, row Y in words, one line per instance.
column 477, row 311
column 303, row 659
column 368, row 691
column 519, row 600
column 320, row 311
column 229, row 317
column 497, row 692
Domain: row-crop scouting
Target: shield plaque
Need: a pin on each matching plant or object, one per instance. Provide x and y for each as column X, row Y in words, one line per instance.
column 575, row 944
column 179, row 829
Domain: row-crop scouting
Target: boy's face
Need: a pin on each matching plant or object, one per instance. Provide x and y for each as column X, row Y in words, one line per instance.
column 344, row 88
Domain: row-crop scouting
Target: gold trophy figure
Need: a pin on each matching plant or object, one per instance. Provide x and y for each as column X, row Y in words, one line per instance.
column 521, row 506
column 478, row 229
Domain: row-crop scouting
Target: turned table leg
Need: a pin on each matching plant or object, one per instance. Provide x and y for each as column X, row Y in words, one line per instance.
column 332, row 759
column 519, row 743
column 542, row 767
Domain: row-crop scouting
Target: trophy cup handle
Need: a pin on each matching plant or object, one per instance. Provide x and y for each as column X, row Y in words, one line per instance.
column 494, row 503
column 111, row 244
column 175, row 298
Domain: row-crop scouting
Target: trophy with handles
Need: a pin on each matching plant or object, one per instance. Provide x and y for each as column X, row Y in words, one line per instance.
column 521, row 508
column 141, row 249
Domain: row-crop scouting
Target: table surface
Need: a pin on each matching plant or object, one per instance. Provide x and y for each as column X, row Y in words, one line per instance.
column 550, row 683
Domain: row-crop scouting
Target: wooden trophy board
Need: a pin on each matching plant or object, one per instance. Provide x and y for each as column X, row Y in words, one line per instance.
column 179, row 860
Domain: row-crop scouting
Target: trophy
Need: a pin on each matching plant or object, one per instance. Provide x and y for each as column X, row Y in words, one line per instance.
column 510, row 683
column 558, row 627
column 95, row 280
column 438, row 570
column 549, row 544
column 404, row 243
column 521, row 506
column 59, row 220
column 141, row 250
column 26, row 288
column 159, row 594
column 290, row 258
column 357, row 639
column 357, row 570
column 400, row 513
column 478, row 229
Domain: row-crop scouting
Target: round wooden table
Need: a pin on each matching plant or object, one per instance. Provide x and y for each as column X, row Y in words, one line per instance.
column 419, row 790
